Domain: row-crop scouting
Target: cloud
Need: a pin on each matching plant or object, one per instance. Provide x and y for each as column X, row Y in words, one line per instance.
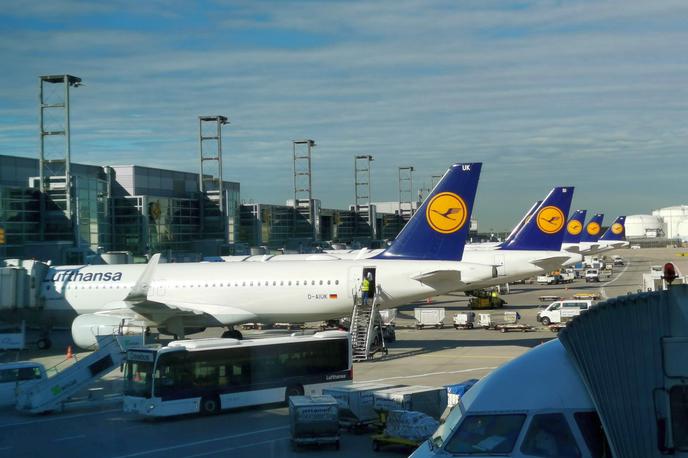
column 545, row 93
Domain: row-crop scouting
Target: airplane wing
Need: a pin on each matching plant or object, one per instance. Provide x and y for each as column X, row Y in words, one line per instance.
column 550, row 263
column 439, row 279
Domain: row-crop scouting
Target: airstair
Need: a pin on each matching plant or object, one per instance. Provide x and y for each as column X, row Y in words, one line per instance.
column 52, row 393
column 366, row 328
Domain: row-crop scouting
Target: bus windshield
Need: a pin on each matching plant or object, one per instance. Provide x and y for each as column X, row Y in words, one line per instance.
column 138, row 377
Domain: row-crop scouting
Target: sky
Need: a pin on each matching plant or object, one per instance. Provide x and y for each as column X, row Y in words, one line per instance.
column 592, row 94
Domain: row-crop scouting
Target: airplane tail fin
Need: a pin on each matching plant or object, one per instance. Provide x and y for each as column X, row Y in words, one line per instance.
column 574, row 227
column 617, row 231
column 520, row 224
column 544, row 230
column 593, row 228
column 438, row 230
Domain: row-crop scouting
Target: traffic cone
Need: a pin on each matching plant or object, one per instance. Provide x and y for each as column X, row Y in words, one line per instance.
column 70, row 353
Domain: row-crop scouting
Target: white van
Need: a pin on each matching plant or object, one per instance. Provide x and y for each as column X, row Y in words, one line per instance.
column 533, row 406
column 559, row 311
column 12, row 375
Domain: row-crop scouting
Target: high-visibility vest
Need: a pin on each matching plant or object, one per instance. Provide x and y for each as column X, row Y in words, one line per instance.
column 365, row 286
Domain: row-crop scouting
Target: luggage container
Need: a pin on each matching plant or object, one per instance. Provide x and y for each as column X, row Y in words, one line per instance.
column 356, row 403
column 464, row 320
column 508, row 321
column 427, row 399
column 313, row 420
column 431, row 317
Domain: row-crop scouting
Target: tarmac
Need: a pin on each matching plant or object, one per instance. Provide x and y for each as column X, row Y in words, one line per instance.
column 432, row 357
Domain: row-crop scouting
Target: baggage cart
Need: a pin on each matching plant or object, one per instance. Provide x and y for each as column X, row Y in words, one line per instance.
column 549, row 298
column 508, row 321
column 464, row 320
column 405, row 428
column 429, row 317
column 429, row 400
column 313, row 420
column 355, row 402
column 383, row 440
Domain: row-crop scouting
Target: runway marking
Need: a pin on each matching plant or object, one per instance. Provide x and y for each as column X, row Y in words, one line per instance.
column 206, row 441
column 66, row 417
column 430, row 374
column 228, row 449
column 79, row 436
column 603, row 293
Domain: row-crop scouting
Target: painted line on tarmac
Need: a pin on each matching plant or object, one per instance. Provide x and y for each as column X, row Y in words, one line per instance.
column 430, row 374
column 65, row 417
column 229, row 449
column 206, row 441
column 603, row 293
column 78, row 436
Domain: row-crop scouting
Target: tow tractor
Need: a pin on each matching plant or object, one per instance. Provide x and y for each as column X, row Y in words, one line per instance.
column 484, row 299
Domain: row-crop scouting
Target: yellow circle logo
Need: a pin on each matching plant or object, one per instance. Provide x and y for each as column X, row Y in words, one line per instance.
column 550, row 220
column 574, row 227
column 593, row 228
column 446, row 213
column 617, row 228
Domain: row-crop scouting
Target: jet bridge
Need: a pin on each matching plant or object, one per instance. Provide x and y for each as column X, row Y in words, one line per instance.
column 20, row 283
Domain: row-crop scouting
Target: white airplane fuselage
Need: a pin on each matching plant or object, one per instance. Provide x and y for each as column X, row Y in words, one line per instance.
column 237, row 292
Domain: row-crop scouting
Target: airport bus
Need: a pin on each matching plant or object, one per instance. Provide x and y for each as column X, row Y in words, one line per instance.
column 208, row 375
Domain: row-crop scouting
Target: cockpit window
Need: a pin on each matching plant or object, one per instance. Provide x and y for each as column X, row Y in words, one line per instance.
column 481, row 434
column 549, row 435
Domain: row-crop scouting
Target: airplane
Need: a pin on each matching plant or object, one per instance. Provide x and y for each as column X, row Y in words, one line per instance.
column 614, row 236
column 528, row 251
column 574, row 229
column 512, row 234
column 588, row 237
column 423, row 261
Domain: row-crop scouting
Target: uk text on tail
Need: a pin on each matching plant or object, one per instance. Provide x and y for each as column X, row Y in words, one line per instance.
column 574, row 227
column 438, row 230
column 544, row 230
column 617, row 231
column 592, row 230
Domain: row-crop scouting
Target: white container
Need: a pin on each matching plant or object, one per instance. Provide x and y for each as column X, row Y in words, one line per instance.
column 427, row 399
column 356, row 401
column 388, row 316
column 464, row 320
column 427, row 316
column 313, row 416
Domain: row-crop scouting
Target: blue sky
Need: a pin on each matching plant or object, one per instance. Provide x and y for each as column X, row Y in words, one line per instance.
column 586, row 93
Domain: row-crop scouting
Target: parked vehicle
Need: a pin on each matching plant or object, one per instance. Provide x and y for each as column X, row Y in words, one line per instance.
column 618, row 260
column 560, row 311
column 592, row 275
column 13, row 375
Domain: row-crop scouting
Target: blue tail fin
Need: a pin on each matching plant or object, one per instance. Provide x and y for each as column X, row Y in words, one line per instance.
column 439, row 228
column 520, row 224
column 617, row 231
column 593, row 228
column 544, row 230
column 574, row 227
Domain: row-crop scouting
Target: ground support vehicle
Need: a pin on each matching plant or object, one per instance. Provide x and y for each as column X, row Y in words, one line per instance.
column 405, row 428
column 549, row 298
column 561, row 311
column 587, row 296
column 313, row 420
column 429, row 317
column 383, row 440
column 484, row 299
column 356, row 410
column 464, row 320
column 503, row 322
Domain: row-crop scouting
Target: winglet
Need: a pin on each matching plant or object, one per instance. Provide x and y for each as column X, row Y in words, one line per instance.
column 593, row 228
column 438, row 230
column 617, row 231
column 140, row 289
column 574, row 227
column 544, row 230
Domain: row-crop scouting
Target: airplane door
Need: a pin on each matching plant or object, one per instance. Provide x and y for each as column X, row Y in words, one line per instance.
column 499, row 265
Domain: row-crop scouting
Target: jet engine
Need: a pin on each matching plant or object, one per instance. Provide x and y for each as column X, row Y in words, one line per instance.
column 86, row 327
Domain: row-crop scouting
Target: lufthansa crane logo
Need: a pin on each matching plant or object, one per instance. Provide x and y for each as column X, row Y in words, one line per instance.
column 574, row 227
column 446, row 213
column 550, row 219
column 593, row 228
column 617, row 228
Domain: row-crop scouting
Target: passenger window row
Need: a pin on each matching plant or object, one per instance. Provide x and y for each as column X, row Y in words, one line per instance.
column 249, row 283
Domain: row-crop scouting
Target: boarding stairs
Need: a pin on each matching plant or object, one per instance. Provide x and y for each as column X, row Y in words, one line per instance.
column 366, row 328
column 52, row 393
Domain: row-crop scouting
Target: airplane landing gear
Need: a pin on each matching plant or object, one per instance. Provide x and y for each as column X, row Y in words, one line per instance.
column 232, row 334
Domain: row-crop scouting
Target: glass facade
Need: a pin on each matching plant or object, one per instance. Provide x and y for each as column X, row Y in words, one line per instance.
column 20, row 217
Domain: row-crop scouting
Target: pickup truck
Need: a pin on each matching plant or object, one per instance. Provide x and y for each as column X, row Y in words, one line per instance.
column 565, row 277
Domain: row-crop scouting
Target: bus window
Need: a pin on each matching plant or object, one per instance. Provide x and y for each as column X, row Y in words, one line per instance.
column 486, row 434
column 549, row 435
column 591, row 429
column 137, row 378
column 172, row 375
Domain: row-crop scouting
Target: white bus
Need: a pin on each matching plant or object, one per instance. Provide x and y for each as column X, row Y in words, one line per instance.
column 208, row 375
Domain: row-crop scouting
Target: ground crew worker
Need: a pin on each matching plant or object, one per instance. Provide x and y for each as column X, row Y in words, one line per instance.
column 365, row 288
